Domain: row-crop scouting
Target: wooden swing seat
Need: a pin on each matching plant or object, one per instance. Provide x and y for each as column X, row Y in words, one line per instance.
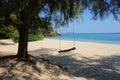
column 67, row 50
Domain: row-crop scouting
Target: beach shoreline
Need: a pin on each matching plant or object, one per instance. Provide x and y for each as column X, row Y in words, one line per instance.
column 90, row 41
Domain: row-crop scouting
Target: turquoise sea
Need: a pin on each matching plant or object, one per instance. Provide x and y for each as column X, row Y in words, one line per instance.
column 113, row 38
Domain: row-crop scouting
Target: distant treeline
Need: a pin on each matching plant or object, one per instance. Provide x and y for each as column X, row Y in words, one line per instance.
column 39, row 29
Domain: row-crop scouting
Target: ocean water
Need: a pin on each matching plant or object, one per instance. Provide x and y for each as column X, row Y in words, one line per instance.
column 113, row 38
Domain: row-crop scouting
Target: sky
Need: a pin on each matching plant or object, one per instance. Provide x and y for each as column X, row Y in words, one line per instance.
column 88, row 25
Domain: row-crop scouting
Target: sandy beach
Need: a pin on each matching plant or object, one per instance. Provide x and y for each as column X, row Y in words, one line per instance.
column 86, row 49
column 90, row 61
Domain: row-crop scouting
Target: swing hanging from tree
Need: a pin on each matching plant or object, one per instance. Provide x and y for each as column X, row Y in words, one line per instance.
column 70, row 49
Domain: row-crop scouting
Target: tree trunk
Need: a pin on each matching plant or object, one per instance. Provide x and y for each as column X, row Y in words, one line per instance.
column 23, row 42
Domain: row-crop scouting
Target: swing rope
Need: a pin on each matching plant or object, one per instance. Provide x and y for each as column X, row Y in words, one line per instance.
column 73, row 34
column 60, row 39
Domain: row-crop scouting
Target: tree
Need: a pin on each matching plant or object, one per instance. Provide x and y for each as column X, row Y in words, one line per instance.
column 58, row 11
column 25, row 11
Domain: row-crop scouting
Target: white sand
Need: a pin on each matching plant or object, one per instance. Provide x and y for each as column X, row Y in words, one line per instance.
column 49, row 48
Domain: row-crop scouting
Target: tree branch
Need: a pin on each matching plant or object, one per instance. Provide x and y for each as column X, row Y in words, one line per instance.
column 32, row 13
column 9, row 20
column 30, row 16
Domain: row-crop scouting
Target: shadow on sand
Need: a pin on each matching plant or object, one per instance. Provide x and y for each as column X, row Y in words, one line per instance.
column 11, row 68
column 2, row 43
column 104, row 68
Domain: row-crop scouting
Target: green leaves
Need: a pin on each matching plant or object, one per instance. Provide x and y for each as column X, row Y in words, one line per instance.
column 59, row 12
